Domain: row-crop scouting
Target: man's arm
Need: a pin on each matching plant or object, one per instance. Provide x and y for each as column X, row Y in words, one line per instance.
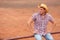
column 53, row 25
column 29, row 23
column 53, row 22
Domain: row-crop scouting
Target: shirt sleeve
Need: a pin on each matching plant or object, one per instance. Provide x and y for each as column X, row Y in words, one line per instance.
column 51, row 18
column 34, row 17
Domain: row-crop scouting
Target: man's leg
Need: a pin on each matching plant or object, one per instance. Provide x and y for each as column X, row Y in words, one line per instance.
column 38, row 37
column 48, row 36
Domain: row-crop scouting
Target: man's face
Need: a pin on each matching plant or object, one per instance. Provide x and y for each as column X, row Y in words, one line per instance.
column 42, row 10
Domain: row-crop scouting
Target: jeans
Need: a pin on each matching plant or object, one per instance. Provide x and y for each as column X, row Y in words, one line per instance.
column 48, row 36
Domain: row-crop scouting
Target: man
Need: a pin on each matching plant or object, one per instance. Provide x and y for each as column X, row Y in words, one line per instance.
column 40, row 20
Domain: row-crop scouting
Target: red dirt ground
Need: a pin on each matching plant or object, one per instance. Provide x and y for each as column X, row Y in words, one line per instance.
column 13, row 22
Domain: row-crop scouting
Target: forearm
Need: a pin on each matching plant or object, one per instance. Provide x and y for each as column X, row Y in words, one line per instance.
column 53, row 26
column 29, row 24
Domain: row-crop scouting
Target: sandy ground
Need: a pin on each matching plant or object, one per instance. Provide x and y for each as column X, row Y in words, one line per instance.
column 13, row 21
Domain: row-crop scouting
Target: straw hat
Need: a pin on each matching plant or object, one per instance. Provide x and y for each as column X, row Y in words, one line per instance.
column 44, row 6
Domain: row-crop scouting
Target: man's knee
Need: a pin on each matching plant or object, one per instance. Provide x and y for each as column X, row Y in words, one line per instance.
column 49, row 37
column 38, row 37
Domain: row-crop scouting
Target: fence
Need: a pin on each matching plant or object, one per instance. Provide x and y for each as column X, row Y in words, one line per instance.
column 29, row 36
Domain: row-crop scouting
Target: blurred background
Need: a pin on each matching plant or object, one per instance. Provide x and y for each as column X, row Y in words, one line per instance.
column 14, row 15
column 27, row 3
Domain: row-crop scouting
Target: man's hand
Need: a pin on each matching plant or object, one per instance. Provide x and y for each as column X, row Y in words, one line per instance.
column 29, row 24
column 53, row 25
column 35, row 31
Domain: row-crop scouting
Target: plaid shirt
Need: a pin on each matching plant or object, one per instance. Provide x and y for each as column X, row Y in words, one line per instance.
column 40, row 24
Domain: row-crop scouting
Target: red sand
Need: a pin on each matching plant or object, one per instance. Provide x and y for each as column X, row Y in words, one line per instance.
column 13, row 22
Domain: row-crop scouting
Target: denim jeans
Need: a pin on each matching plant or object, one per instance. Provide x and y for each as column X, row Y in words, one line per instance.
column 48, row 36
